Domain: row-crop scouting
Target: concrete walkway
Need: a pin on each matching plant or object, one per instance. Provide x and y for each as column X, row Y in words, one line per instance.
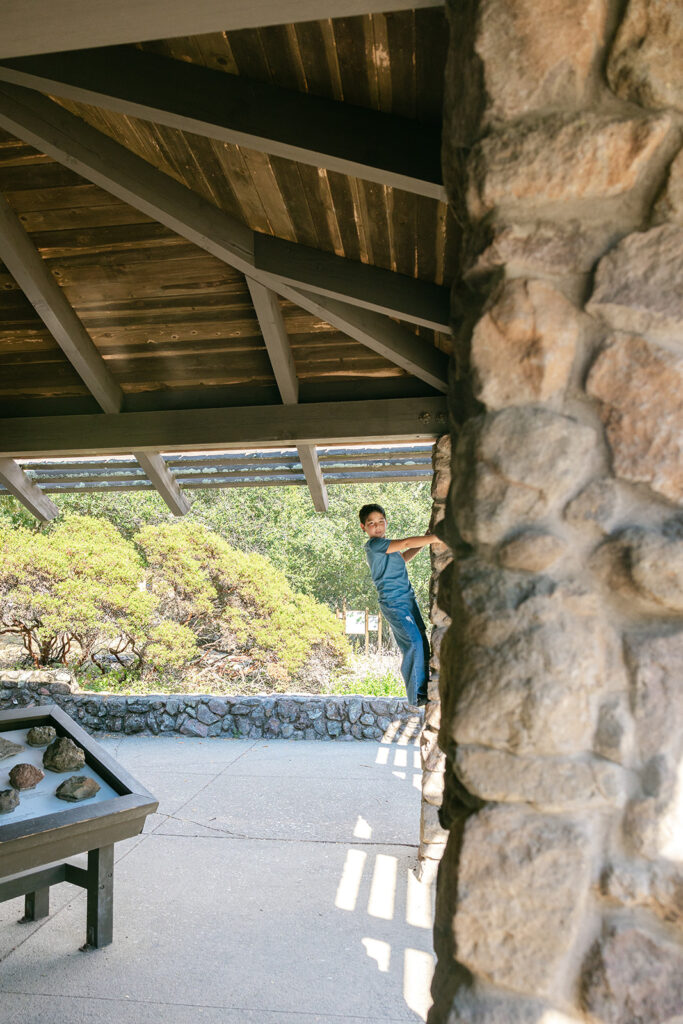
column 274, row 886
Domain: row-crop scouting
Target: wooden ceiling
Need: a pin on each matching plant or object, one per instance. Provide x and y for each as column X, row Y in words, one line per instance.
column 226, row 239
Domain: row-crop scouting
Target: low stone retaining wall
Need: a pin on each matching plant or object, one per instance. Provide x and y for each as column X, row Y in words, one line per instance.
column 284, row 716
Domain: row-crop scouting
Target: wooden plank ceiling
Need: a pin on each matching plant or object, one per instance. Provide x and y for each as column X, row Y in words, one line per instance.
column 166, row 306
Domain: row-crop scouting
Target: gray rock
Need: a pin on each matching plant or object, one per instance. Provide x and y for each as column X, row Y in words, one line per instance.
column 522, row 884
column 367, row 719
column 205, row 715
column 652, row 826
column 551, row 784
column 334, row 728
column 25, row 776
column 8, row 748
column 637, row 285
column 613, row 733
column 355, row 709
column 639, row 386
column 533, row 657
column 515, row 467
column 561, row 158
column 9, row 800
column 191, row 727
column 531, row 551
column 40, row 735
column 134, row 723
column 63, row 755
column 477, row 1005
column 596, row 507
column 77, row 788
column 632, row 976
column 644, row 65
column 218, row 706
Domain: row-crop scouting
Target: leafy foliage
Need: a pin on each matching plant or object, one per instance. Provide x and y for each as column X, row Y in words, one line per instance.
column 320, row 554
column 236, row 602
column 77, row 591
column 175, row 596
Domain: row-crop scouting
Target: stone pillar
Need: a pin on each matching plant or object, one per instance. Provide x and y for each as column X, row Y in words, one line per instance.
column 560, row 893
column 432, row 835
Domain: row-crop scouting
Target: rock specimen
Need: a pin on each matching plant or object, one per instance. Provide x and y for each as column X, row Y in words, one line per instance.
column 8, row 749
column 41, row 735
column 9, row 799
column 25, row 776
column 63, row 755
column 78, row 787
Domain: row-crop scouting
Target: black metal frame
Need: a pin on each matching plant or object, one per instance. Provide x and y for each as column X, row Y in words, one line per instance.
column 94, row 828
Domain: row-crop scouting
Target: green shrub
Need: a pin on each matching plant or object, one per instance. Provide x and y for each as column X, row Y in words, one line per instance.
column 237, row 602
column 74, row 593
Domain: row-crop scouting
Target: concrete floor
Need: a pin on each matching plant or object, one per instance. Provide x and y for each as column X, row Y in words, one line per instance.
column 274, row 886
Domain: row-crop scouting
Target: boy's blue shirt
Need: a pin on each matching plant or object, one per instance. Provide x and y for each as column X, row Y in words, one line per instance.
column 389, row 573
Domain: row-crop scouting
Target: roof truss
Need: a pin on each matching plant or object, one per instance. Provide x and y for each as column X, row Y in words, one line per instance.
column 395, row 151
column 47, row 298
column 264, row 426
column 13, row 478
column 41, row 26
column 69, row 140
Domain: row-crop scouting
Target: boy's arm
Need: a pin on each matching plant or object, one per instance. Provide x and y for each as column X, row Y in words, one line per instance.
column 411, row 545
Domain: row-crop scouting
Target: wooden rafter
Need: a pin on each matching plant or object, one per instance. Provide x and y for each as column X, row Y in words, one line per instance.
column 395, row 151
column 41, row 26
column 28, row 268
column 17, row 483
column 267, row 308
column 45, row 125
column 264, row 426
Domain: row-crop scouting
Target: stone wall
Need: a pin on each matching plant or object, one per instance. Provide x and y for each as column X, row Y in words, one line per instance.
column 560, row 894
column 432, row 835
column 283, row 716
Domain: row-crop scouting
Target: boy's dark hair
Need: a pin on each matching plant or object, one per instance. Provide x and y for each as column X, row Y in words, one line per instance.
column 368, row 510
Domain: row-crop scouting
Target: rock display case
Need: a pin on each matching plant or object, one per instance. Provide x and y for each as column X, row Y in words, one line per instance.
column 42, row 829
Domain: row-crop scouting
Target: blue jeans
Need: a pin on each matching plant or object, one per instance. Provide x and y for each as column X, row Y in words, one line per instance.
column 411, row 636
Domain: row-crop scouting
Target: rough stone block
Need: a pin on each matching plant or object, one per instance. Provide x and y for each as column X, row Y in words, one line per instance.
column 523, row 879
column 597, row 506
column 433, row 758
column 562, row 159
column 669, row 205
column 653, row 825
column 533, row 659
column 432, row 787
column 474, row 1004
column 614, row 730
column 638, row 284
column 515, row 466
column 553, row 784
column 633, row 976
column 640, row 387
column 540, row 248
column 532, row 551
column 537, row 56
column 645, row 566
column 205, row 715
column 431, row 831
column 645, row 64
column 191, row 727
column 658, row 887
column 524, row 345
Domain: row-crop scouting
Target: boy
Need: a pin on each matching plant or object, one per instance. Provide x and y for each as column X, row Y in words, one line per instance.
column 387, row 560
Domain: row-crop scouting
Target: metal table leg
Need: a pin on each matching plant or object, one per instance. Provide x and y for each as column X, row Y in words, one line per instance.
column 100, row 886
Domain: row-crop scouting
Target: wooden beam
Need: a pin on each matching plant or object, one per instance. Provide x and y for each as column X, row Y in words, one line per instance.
column 69, row 140
column 395, row 343
column 17, row 483
column 361, row 284
column 41, row 26
column 27, row 266
column 270, row 426
column 272, row 324
column 31, row 273
column 391, row 150
column 164, row 481
column 308, row 457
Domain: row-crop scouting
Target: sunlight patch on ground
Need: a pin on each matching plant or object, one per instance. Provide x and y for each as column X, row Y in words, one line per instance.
column 378, row 951
column 418, row 968
column 362, row 829
column 349, row 884
column 383, row 887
